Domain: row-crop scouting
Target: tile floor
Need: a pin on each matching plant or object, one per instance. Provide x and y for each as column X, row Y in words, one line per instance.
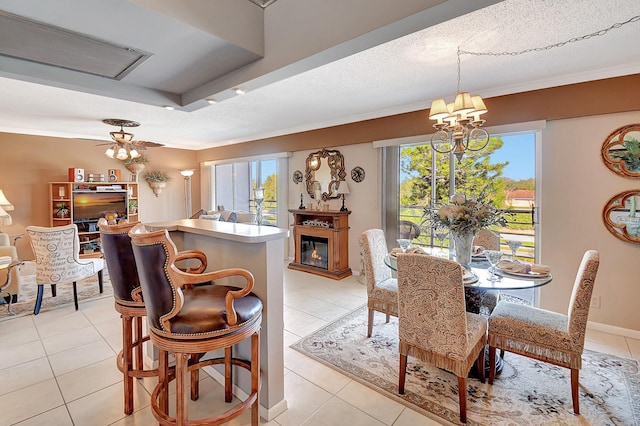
column 59, row 368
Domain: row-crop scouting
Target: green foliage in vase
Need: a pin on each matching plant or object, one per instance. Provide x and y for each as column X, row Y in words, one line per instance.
column 630, row 155
column 156, row 176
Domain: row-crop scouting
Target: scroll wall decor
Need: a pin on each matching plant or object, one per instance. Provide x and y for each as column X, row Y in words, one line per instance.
column 621, row 151
column 621, row 218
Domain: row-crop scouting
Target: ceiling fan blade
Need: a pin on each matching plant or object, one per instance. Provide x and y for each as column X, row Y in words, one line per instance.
column 146, row 144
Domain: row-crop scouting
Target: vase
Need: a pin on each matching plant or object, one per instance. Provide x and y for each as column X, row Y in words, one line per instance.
column 463, row 244
column 157, row 187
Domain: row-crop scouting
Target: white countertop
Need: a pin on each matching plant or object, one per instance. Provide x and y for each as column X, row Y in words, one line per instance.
column 240, row 232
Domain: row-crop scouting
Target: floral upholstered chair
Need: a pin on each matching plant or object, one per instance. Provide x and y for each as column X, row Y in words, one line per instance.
column 57, row 252
column 433, row 323
column 544, row 335
column 382, row 288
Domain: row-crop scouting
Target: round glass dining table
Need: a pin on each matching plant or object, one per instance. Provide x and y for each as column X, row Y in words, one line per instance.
column 475, row 289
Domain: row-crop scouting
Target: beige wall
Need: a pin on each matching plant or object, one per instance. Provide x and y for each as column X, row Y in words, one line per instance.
column 575, row 187
column 29, row 163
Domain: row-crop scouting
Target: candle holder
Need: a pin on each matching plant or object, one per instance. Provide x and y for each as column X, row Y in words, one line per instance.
column 258, row 195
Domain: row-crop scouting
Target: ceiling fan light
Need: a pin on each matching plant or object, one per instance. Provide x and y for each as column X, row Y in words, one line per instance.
column 122, row 154
column 110, row 152
column 134, row 153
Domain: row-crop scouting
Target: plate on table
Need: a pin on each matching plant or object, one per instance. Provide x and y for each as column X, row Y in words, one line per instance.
column 468, row 277
column 530, row 274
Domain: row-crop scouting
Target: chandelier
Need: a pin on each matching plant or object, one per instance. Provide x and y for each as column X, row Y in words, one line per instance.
column 122, row 147
column 458, row 124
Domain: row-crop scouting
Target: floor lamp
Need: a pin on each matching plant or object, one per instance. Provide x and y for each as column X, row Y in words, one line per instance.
column 5, row 205
column 187, row 189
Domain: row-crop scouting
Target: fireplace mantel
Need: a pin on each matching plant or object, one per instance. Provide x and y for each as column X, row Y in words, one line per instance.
column 331, row 227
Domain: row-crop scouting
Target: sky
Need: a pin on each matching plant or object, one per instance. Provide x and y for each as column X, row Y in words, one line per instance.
column 519, row 150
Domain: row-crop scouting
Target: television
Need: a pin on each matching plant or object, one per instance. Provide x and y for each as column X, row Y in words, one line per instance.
column 90, row 206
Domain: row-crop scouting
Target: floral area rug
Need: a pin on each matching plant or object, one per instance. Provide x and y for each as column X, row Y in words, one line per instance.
column 527, row 392
column 87, row 290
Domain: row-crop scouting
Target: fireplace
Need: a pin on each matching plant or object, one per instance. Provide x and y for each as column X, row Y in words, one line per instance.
column 314, row 251
column 321, row 243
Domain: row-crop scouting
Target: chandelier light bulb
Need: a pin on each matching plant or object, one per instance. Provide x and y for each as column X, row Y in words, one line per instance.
column 122, row 154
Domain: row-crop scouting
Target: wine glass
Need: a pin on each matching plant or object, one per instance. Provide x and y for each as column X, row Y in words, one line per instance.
column 493, row 256
column 514, row 245
column 440, row 234
column 404, row 244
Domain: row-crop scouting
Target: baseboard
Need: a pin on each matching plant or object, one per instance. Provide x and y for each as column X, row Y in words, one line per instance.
column 625, row 332
column 266, row 413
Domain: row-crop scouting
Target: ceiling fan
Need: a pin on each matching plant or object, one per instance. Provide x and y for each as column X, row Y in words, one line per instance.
column 123, row 145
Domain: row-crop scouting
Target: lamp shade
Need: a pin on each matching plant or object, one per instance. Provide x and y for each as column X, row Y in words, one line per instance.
column 343, row 188
column 4, row 203
column 187, row 172
column 438, row 109
column 5, row 218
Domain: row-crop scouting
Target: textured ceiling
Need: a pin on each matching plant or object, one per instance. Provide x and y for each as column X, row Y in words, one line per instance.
column 400, row 75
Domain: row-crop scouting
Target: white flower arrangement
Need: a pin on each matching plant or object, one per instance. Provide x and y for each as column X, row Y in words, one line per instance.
column 465, row 215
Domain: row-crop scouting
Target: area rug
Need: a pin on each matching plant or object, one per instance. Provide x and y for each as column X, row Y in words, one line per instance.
column 527, row 392
column 87, row 290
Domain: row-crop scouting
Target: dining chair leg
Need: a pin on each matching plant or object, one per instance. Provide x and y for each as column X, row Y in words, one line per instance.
column 492, row 364
column 480, row 365
column 370, row 323
column 388, row 317
column 462, row 398
column 100, row 282
column 36, row 309
column 575, row 384
column 53, row 290
column 75, row 295
column 402, row 373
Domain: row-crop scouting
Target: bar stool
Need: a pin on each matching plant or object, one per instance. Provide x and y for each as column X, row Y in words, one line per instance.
column 187, row 320
column 116, row 247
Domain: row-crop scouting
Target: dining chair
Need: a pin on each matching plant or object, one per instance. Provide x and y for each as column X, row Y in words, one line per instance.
column 57, row 253
column 10, row 279
column 408, row 230
column 185, row 319
column 382, row 288
column 544, row 335
column 433, row 323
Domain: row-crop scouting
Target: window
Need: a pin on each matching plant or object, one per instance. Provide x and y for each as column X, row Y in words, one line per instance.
column 233, row 182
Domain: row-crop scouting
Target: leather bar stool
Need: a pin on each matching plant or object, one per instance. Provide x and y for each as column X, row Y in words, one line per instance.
column 187, row 319
column 116, row 247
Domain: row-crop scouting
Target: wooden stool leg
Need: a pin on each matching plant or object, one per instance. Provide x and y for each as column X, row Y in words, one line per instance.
column 163, row 377
column 255, row 378
column 138, row 337
column 181, row 395
column 195, row 377
column 228, row 377
column 127, row 355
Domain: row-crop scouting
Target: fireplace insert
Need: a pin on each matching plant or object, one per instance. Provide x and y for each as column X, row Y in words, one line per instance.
column 314, row 251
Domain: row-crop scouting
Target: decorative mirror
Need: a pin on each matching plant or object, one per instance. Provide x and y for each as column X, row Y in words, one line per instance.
column 621, row 151
column 324, row 172
column 619, row 216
